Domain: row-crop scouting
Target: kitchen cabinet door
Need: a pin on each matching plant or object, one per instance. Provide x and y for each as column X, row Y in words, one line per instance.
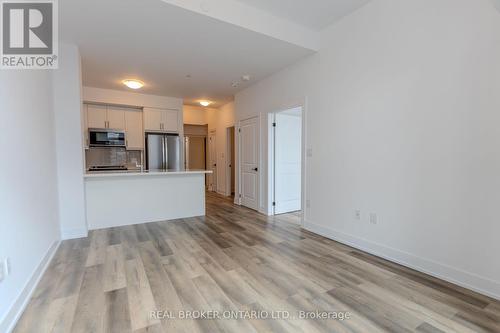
column 153, row 119
column 116, row 118
column 170, row 120
column 134, row 132
column 96, row 116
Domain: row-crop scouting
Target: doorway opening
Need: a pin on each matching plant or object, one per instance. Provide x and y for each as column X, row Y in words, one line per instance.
column 231, row 160
column 287, row 161
column 195, row 148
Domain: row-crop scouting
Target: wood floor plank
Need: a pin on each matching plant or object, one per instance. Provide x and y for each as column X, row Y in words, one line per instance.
column 187, row 292
column 114, row 268
column 98, row 244
column 117, row 313
column 235, row 288
column 428, row 328
column 158, row 240
column 60, row 315
column 163, row 291
column 90, row 307
column 218, row 301
column 140, row 298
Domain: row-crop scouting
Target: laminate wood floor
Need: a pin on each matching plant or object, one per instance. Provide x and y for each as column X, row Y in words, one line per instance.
column 233, row 260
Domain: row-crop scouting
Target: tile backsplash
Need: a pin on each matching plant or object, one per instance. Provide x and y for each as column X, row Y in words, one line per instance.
column 113, row 156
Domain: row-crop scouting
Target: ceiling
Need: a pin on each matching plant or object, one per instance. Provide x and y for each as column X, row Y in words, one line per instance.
column 179, row 52
column 313, row 14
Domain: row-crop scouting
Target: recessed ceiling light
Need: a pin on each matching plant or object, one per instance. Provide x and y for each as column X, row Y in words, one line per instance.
column 245, row 78
column 205, row 103
column 133, row 84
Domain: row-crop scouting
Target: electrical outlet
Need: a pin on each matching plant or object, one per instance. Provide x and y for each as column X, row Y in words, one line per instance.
column 4, row 269
column 308, row 203
column 373, row 218
column 357, row 214
column 2, row 272
column 7, row 267
column 309, row 152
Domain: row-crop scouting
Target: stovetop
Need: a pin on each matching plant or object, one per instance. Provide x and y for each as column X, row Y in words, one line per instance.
column 108, row 168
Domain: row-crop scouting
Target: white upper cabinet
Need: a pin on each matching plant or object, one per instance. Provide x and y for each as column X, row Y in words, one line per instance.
column 153, row 119
column 116, row 118
column 131, row 120
column 161, row 120
column 96, row 116
column 171, row 120
column 133, row 128
column 102, row 116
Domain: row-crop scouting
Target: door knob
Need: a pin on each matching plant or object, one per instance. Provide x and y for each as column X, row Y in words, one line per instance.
column 255, row 169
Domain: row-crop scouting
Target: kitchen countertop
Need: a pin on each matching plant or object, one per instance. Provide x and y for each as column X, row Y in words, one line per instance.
column 145, row 173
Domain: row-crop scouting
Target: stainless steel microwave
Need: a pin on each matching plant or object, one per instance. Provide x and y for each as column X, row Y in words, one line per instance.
column 106, row 138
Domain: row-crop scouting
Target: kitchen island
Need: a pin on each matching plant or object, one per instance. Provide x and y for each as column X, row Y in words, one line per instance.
column 132, row 197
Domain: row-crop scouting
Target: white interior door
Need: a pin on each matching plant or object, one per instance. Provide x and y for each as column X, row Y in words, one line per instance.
column 249, row 163
column 288, row 161
column 212, row 158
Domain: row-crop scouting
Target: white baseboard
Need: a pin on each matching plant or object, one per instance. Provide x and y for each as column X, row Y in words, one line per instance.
column 74, row 233
column 15, row 312
column 456, row 276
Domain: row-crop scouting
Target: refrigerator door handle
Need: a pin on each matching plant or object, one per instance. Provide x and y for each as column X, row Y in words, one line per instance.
column 166, row 153
column 163, row 155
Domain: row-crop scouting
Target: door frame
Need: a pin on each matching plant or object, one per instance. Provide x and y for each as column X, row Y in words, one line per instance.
column 214, row 175
column 271, row 117
column 229, row 154
column 237, row 133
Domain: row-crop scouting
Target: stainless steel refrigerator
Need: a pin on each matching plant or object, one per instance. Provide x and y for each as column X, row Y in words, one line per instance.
column 163, row 151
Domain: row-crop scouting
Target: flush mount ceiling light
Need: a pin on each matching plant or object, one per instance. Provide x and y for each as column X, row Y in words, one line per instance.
column 133, row 84
column 205, row 103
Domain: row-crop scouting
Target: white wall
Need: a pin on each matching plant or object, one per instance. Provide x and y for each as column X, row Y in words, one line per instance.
column 402, row 118
column 195, row 115
column 68, row 123
column 29, row 228
column 119, row 97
